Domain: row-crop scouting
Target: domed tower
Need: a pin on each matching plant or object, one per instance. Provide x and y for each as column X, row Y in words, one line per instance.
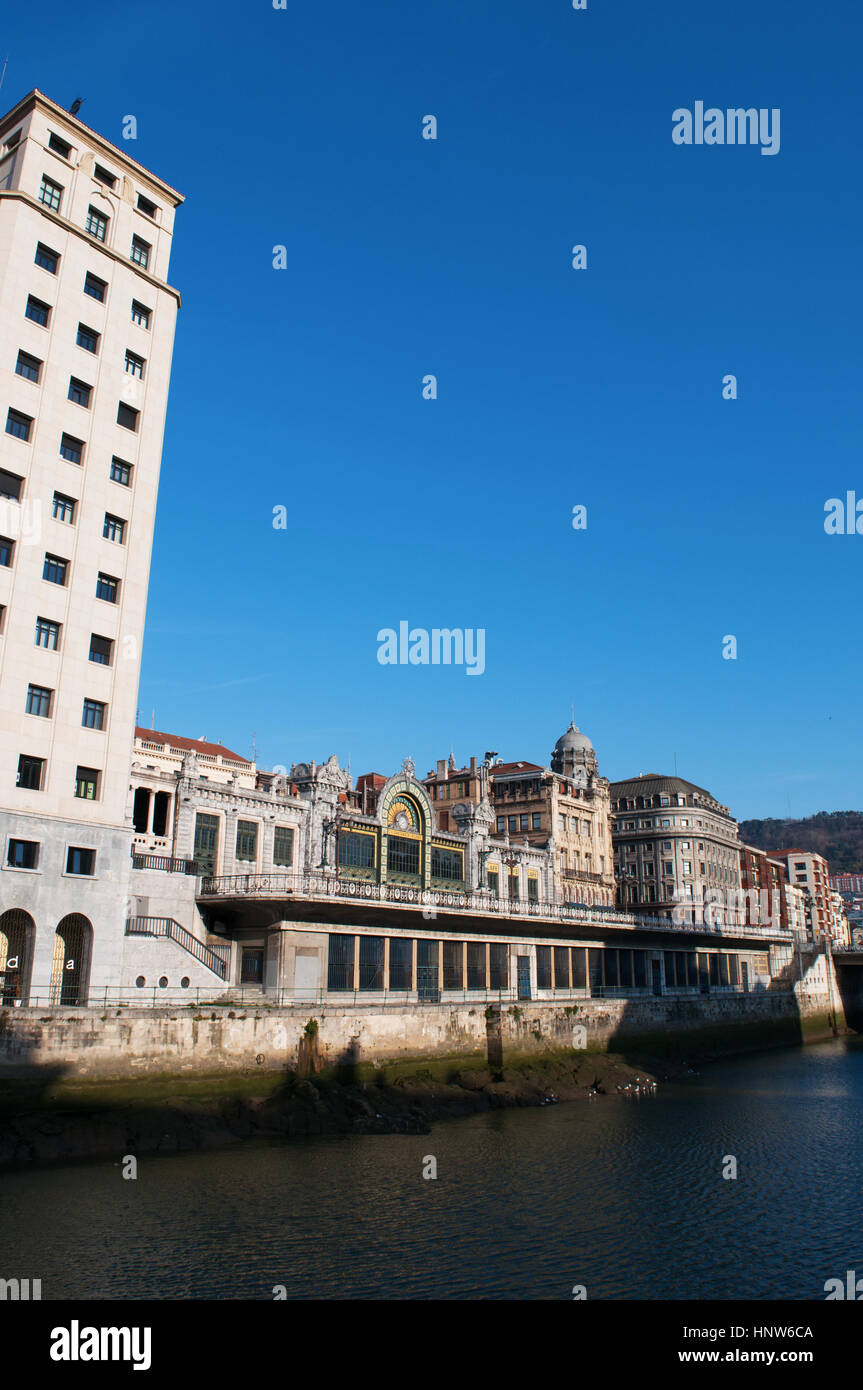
column 581, row 823
column 573, row 754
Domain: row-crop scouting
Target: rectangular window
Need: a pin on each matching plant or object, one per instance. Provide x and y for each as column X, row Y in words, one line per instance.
column 50, row 193
column 493, row 882
column 476, row 971
column 127, row 417
column 453, row 965
column 340, row 964
column 7, row 551
column 140, row 314
column 11, row 485
column 37, row 311
column 561, row 967
column 22, row 854
column 356, row 851
column 95, row 287
column 18, row 425
column 55, row 569
column 543, row 967
column 447, row 863
column 140, row 252
column 512, row 822
column 145, row 206
column 371, row 962
column 401, row 962
column 96, row 224
column 80, row 861
column 46, row 258
column 102, row 175
column 71, row 449
column 283, row 846
column 536, row 820
column 79, row 392
column 31, row 772
column 93, row 716
column 114, row 528
column 12, row 141
column 498, row 965
column 63, row 508
column 87, row 783
column 247, row 840
column 87, row 338
column 47, row 634
column 134, row 364
column 579, row 968
column 533, row 890
column 403, row 855
column 107, row 587
column 101, row 649
column 523, row 823
column 39, row 701
column 28, row 367
column 120, row 472
column 206, row 843
column 59, row 146
column 625, row 969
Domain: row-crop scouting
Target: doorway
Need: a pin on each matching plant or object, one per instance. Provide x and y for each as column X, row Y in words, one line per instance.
column 523, row 976
column 252, row 965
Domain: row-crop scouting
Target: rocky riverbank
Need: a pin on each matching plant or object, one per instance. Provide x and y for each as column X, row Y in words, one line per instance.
column 78, row 1120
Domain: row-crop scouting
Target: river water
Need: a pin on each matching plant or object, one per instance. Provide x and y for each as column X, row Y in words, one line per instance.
column 623, row 1196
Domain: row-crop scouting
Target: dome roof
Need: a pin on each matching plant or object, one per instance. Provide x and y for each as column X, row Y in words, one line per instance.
column 573, row 741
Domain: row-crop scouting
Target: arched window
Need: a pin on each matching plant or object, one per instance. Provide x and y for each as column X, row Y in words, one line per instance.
column 70, row 969
column 17, row 931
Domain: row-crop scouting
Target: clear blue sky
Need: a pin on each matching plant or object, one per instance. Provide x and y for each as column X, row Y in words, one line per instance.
column 556, row 387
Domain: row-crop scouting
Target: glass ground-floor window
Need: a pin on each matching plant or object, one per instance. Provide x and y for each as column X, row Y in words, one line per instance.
column 401, row 962
column 453, row 965
column 371, row 962
column 476, row 970
column 340, row 968
column 498, row 965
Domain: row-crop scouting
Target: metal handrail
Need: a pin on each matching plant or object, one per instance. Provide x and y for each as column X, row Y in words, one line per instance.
column 166, row 926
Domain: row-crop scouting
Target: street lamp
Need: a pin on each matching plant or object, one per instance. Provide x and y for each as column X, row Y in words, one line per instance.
column 328, row 825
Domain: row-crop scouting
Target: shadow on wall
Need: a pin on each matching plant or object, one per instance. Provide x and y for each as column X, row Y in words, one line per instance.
column 731, row 1026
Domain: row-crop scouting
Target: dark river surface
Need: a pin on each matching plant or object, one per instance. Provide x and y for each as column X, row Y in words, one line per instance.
column 624, row 1196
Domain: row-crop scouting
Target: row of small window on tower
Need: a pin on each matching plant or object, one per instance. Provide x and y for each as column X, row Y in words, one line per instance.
column 80, row 392
column 63, row 508
column 97, row 222
column 48, row 259
column 49, row 634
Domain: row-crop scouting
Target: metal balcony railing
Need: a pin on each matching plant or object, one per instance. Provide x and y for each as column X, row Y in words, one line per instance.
column 479, row 901
column 164, row 863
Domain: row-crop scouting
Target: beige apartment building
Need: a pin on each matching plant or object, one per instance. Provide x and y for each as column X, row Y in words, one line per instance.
column 674, row 844
column 87, row 320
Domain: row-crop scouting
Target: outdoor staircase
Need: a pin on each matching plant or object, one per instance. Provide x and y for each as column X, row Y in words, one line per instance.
column 166, row 926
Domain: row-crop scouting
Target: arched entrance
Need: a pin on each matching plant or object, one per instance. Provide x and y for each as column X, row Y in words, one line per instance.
column 17, row 930
column 70, row 969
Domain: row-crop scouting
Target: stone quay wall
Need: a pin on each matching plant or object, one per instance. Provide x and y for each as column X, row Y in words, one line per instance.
column 121, row 1043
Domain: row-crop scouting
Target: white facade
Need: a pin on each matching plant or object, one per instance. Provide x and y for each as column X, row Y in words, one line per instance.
column 87, row 324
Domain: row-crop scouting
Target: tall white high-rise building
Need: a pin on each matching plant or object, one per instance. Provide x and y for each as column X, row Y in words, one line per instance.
column 86, row 335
